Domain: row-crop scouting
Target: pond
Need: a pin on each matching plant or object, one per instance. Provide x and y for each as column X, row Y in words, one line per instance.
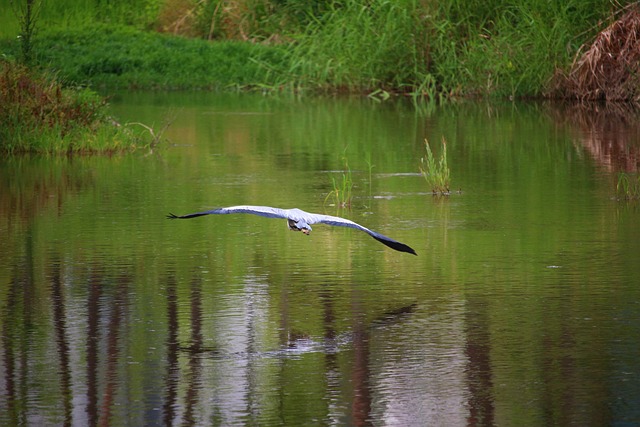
column 522, row 306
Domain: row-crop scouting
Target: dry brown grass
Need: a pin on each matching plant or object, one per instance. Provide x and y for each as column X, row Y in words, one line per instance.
column 178, row 17
column 610, row 69
column 229, row 19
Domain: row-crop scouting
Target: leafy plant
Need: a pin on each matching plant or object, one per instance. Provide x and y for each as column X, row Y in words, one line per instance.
column 436, row 173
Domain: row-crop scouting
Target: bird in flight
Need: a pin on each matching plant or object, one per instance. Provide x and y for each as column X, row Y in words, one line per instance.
column 299, row 220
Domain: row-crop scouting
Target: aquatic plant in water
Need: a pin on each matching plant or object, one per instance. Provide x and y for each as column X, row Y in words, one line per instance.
column 370, row 167
column 436, row 173
column 628, row 188
column 341, row 192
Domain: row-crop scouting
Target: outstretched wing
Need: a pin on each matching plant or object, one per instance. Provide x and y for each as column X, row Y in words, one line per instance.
column 297, row 214
column 265, row 211
column 342, row 222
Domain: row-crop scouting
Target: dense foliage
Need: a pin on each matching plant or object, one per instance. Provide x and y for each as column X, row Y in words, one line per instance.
column 475, row 47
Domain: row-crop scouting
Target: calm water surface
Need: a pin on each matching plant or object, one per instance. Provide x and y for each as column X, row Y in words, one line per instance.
column 521, row 308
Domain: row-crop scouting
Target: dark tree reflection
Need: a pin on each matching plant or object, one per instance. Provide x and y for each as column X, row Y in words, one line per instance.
column 479, row 374
column 60, row 324
column 173, row 370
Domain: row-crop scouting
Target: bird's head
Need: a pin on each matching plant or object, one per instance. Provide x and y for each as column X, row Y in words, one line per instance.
column 304, row 227
column 299, row 226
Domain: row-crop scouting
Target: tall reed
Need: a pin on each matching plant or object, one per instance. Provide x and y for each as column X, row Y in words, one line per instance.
column 511, row 47
column 363, row 46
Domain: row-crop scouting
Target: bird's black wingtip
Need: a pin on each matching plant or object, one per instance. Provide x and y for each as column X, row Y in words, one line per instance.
column 393, row 244
column 407, row 249
column 193, row 215
column 401, row 247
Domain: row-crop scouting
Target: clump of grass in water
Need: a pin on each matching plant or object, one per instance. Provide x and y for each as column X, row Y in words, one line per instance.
column 370, row 166
column 628, row 188
column 341, row 192
column 436, row 173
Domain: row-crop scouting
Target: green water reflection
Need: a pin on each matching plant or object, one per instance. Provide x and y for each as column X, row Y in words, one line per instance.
column 522, row 307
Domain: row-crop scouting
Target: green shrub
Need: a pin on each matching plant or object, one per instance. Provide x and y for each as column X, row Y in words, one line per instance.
column 38, row 114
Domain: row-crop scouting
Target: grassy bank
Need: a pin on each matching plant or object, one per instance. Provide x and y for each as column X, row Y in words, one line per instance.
column 449, row 47
column 38, row 114
column 124, row 57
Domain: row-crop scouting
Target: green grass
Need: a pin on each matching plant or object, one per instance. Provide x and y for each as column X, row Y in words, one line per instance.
column 358, row 46
column 436, row 173
column 509, row 48
column 69, row 14
column 38, row 114
column 123, row 57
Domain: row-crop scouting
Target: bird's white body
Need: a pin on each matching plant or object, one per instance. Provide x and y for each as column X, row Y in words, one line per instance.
column 299, row 220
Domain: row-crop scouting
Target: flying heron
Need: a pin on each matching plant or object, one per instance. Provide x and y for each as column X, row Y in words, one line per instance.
column 299, row 220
